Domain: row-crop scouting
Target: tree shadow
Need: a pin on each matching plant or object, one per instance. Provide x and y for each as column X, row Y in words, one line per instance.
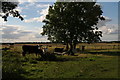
column 62, row 58
column 12, row 66
column 110, row 53
column 13, row 74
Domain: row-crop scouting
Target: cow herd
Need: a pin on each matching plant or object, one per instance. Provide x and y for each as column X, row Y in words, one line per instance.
column 38, row 50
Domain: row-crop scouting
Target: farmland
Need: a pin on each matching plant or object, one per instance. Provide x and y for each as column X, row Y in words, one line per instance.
column 98, row 60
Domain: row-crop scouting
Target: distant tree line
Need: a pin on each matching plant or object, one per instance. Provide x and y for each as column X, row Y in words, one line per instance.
column 55, row 42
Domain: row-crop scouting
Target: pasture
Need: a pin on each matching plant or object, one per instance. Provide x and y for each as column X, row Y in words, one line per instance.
column 99, row 60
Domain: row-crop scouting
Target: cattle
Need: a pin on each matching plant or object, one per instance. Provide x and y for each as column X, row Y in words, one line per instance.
column 45, row 50
column 58, row 50
column 31, row 49
column 5, row 49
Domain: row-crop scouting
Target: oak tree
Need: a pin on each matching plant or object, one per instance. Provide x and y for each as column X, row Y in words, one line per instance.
column 73, row 22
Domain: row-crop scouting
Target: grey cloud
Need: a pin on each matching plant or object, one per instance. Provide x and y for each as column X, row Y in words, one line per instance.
column 109, row 29
column 8, row 29
column 38, row 36
column 103, row 22
column 115, row 32
column 13, row 32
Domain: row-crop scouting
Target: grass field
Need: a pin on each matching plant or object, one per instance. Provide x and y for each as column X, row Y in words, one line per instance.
column 92, row 63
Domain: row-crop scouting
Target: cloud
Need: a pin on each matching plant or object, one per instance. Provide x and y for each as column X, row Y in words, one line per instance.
column 30, row 4
column 105, row 30
column 13, row 32
column 109, row 29
column 44, row 11
column 115, row 32
column 31, row 0
column 2, row 21
column 19, row 9
column 17, row 33
column 43, row 14
column 42, row 5
column 22, row 1
column 103, row 22
column 37, row 19
column 111, row 37
column 38, row 29
column 24, row 16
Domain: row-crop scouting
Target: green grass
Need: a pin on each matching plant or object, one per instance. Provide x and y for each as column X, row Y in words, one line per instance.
column 81, row 66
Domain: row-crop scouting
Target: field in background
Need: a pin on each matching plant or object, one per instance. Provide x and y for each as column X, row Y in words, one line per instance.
column 99, row 60
column 88, row 47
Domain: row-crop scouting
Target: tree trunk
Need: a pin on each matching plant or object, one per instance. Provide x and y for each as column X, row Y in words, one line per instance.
column 67, row 47
column 74, row 46
column 70, row 52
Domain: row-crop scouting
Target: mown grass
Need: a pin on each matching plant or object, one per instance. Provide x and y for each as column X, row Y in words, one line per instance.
column 84, row 65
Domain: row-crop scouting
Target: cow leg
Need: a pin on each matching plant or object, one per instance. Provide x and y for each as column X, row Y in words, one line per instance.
column 36, row 54
column 23, row 53
column 28, row 52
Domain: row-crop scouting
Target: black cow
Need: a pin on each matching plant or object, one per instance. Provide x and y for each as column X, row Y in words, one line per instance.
column 31, row 49
column 5, row 49
column 58, row 50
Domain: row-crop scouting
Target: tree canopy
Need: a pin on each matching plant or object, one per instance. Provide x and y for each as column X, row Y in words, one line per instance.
column 73, row 22
column 8, row 8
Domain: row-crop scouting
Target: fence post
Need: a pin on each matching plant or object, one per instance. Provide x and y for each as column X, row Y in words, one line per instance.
column 83, row 48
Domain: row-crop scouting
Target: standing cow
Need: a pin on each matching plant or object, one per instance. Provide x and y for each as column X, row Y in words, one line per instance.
column 31, row 49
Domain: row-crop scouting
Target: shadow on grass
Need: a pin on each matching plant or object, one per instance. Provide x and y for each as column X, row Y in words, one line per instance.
column 75, row 58
column 107, row 53
column 61, row 58
column 12, row 66
column 13, row 70
column 11, row 75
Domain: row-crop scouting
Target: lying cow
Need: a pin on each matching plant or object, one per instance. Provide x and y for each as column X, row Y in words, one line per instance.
column 58, row 50
column 31, row 49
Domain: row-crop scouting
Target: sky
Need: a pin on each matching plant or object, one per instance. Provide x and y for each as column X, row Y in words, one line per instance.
column 15, row 30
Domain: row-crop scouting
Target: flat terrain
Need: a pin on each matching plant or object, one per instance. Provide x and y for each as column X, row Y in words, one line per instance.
column 97, row 61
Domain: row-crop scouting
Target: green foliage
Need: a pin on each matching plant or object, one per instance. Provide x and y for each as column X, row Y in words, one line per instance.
column 70, row 23
column 8, row 9
column 73, row 22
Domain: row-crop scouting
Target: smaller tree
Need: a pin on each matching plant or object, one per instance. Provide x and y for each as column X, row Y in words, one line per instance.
column 8, row 8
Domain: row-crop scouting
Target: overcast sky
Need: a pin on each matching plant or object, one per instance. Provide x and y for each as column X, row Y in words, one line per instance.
column 15, row 30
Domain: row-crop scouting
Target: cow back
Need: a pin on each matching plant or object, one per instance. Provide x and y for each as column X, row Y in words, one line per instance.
column 29, row 48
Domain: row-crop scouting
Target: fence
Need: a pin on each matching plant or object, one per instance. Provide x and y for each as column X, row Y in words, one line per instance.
column 80, row 47
column 99, row 47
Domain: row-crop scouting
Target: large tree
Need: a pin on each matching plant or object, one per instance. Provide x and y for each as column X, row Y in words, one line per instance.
column 8, row 8
column 73, row 22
